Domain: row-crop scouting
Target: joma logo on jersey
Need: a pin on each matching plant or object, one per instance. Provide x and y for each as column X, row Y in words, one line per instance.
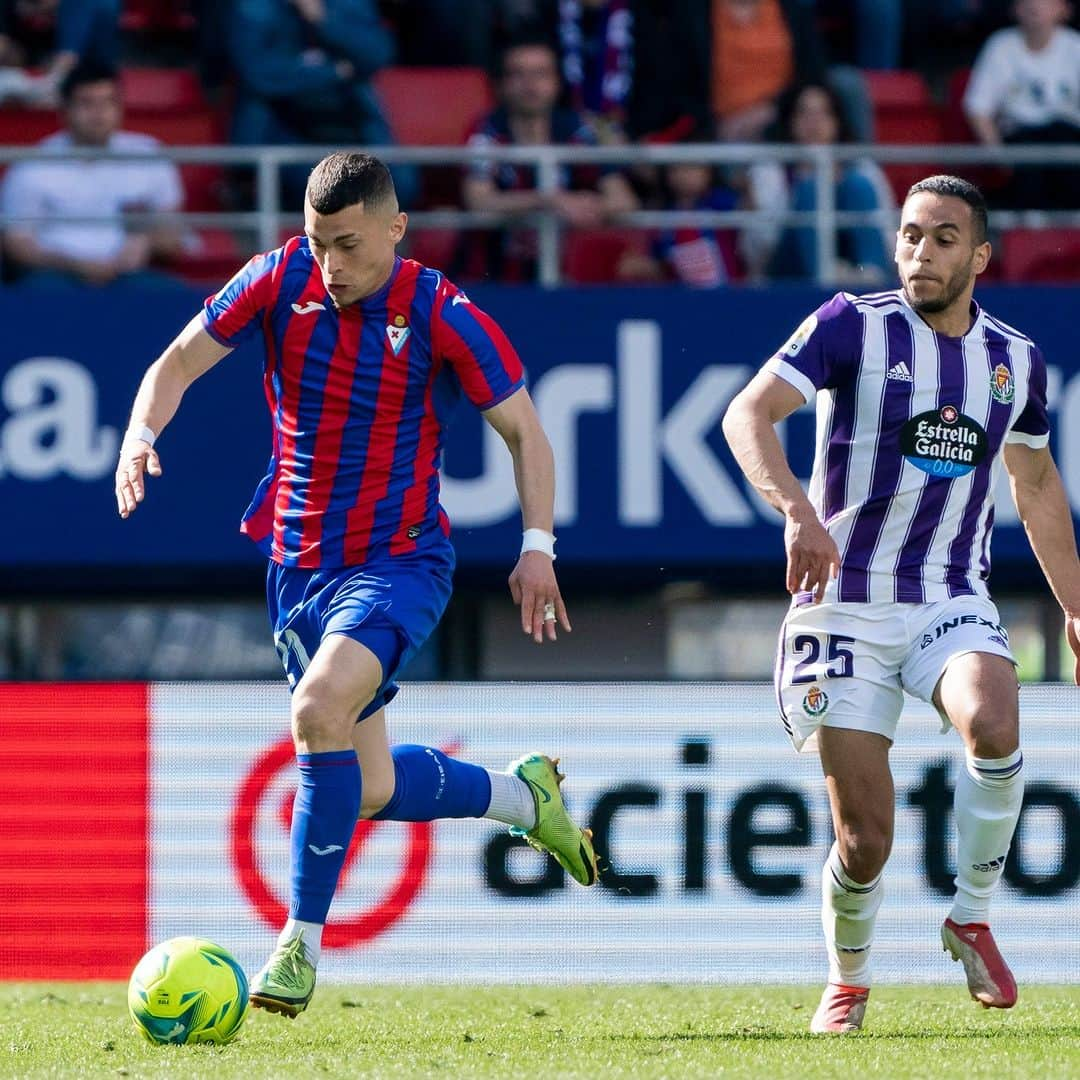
column 1002, row 388
column 1001, row 635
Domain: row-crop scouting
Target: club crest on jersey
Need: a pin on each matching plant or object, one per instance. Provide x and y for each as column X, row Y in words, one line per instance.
column 1002, row 387
column 397, row 331
column 815, row 702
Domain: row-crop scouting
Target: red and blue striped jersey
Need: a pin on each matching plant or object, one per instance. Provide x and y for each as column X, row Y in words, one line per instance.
column 359, row 400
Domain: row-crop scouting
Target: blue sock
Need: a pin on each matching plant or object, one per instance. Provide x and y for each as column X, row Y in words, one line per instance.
column 324, row 817
column 430, row 785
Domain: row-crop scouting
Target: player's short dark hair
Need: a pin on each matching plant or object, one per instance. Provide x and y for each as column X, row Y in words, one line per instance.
column 958, row 188
column 84, row 73
column 345, row 179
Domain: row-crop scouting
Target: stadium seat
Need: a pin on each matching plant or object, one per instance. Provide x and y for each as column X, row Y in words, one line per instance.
column 213, row 258
column 1041, row 255
column 156, row 16
column 172, row 90
column 592, row 256
column 416, row 100
column 904, row 113
column 24, row 127
column 433, row 247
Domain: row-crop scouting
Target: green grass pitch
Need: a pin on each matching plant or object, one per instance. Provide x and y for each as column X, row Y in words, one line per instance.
column 548, row 1032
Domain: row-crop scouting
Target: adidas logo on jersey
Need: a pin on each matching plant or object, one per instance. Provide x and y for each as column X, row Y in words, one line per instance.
column 900, row 372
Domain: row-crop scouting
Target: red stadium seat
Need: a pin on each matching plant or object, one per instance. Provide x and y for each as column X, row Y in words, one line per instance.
column 173, row 90
column 592, row 256
column 433, row 106
column 156, row 16
column 904, row 113
column 432, row 247
column 1041, row 255
column 214, row 258
column 24, row 127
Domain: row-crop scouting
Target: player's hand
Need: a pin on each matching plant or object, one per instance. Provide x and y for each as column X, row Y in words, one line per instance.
column 535, row 590
column 136, row 459
column 813, row 558
column 1072, row 636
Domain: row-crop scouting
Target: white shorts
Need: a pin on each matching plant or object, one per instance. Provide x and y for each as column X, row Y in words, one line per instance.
column 847, row 665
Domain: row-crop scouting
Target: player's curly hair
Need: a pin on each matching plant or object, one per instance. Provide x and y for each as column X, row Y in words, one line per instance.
column 958, row 188
column 345, row 179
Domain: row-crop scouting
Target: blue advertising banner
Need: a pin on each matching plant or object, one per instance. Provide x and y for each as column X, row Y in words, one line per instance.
column 630, row 384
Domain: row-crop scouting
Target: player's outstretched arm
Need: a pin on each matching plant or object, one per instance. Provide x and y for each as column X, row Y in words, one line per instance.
column 1044, row 509
column 532, row 584
column 749, row 427
column 192, row 353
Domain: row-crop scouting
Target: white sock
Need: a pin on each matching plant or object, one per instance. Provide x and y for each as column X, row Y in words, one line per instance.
column 848, row 911
column 512, row 801
column 312, row 933
column 989, row 794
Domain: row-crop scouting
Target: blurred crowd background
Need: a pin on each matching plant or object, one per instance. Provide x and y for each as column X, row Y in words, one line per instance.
column 124, row 76
column 128, row 80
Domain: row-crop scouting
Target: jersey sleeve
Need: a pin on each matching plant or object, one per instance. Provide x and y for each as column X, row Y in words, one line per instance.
column 818, row 355
column 233, row 314
column 480, row 354
column 1032, row 426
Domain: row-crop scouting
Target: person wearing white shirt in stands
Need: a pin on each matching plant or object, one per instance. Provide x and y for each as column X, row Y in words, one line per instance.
column 67, row 248
column 1025, row 88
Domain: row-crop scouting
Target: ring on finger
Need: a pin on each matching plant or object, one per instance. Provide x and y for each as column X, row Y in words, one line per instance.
column 549, row 612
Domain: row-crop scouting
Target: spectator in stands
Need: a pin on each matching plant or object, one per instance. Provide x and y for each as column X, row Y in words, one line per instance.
column 1025, row 88
column 812, row 115
column 703, row 258
column 623, row 62
column 54, row 35
column 58, row 251
column 305, row 69
column 759, row 49
column 528, row 116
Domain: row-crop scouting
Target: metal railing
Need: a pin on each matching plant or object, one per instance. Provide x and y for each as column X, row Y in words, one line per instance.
column 267, row 221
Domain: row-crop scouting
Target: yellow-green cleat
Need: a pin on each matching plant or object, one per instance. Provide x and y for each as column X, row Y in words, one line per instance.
column 287, row 982
column 555, row 831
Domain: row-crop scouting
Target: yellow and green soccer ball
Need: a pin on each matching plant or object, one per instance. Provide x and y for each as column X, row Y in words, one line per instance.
column 188, row 990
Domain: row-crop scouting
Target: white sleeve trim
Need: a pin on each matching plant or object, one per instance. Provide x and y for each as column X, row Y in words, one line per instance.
column 1036, row 442
column 792, row 375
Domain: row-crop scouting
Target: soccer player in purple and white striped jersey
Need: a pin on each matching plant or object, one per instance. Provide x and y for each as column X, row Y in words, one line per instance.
column 366, row 354
column 921, row 398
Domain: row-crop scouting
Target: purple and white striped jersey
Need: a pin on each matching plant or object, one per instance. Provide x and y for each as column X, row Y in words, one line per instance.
column 910, row 430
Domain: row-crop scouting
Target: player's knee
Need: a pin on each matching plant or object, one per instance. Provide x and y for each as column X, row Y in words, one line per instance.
column 994, row 736
column 863, row 851
column 319, row 721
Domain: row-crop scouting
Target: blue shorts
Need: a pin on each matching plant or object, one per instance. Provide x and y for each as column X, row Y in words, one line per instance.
column 389, row 606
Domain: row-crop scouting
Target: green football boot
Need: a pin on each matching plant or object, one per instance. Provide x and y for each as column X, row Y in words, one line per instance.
column 287, row 982
column 555, row 831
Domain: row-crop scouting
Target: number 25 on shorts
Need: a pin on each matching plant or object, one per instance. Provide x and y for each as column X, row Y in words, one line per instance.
column 838, row 655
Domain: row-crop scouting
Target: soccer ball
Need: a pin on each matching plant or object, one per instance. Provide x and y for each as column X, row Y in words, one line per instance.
column 188, row 990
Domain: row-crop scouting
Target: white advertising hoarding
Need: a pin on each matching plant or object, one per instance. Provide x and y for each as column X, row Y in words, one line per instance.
column 712, row 829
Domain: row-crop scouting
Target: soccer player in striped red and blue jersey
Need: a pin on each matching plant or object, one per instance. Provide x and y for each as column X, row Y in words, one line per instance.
column 921, row 397
column 366, row 356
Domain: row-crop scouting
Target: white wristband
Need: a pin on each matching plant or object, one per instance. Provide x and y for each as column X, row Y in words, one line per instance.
column 538, row 540
column 143, row 433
